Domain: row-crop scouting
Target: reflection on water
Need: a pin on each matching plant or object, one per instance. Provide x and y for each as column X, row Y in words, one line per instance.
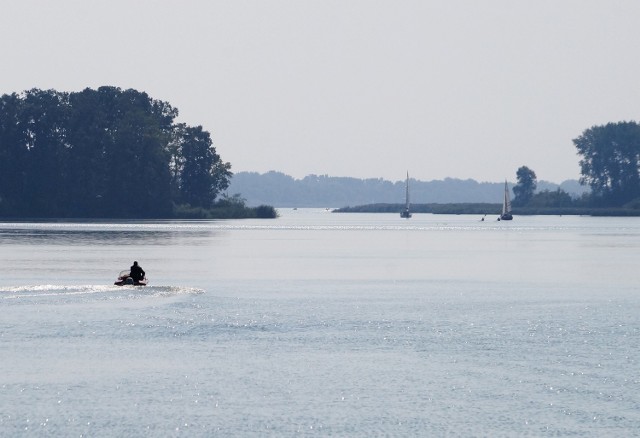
column 56, row 233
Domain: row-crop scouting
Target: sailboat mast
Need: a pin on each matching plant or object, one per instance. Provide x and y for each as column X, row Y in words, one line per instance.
column 407, row 192
column 504, row 201
column 406, row 213
column 506, row 205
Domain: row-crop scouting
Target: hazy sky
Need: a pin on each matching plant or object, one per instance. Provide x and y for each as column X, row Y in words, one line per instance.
column 451, row 88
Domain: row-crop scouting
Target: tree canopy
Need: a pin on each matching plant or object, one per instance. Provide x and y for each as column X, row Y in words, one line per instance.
column 610, row 162
column 526, row 186
column 102, row 153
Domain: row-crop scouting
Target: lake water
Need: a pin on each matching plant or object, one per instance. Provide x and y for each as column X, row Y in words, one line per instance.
column 321, row 324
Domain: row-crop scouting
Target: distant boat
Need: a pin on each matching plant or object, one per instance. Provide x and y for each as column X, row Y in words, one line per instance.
column 506, row 205
column 406, row 213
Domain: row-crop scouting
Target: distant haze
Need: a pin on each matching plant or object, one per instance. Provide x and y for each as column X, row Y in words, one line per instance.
column 359, row 88
column 280, row 190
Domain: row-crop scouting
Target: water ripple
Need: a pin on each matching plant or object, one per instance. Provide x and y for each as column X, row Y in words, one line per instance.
column 106, row 291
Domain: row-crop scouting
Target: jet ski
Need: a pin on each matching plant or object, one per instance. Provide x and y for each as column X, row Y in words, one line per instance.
column 124, row 279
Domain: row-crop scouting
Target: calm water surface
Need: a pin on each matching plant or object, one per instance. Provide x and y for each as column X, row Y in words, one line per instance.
column 320, row 324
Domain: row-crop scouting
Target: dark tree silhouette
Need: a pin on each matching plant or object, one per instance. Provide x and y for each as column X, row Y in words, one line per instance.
column 610, row 162
column 525, row 187
column 102, row 153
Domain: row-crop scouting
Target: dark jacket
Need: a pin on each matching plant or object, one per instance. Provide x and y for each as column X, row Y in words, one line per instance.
column 137, row 273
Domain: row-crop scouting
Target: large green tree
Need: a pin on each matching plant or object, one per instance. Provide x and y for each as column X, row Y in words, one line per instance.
column 610, row 162
column 13, row 152
column 525, row 187
column 118, row 142
column 101, row 153
column 199, row 174
column 34, row 151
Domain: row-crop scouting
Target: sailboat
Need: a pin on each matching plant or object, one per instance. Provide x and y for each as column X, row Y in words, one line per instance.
column 506, row 204
column 406, row 213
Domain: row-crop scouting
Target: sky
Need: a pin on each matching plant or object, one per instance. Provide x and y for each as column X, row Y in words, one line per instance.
column 355, row 88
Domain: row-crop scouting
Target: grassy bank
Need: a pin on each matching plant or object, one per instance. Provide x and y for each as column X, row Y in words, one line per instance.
column 234, row 211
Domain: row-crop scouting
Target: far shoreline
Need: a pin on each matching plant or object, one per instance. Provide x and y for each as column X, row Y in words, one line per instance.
column 489, row 210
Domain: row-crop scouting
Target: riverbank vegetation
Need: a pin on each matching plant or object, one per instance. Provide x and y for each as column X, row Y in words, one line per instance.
column 107, row 153
column 610, row 166
column 233, row 207
column 324, row 191
column 489, row 210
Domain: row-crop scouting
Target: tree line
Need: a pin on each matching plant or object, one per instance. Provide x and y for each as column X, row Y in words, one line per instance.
column 110, row 152
column 609, row 165
column 325, row 191
column 105, row 152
